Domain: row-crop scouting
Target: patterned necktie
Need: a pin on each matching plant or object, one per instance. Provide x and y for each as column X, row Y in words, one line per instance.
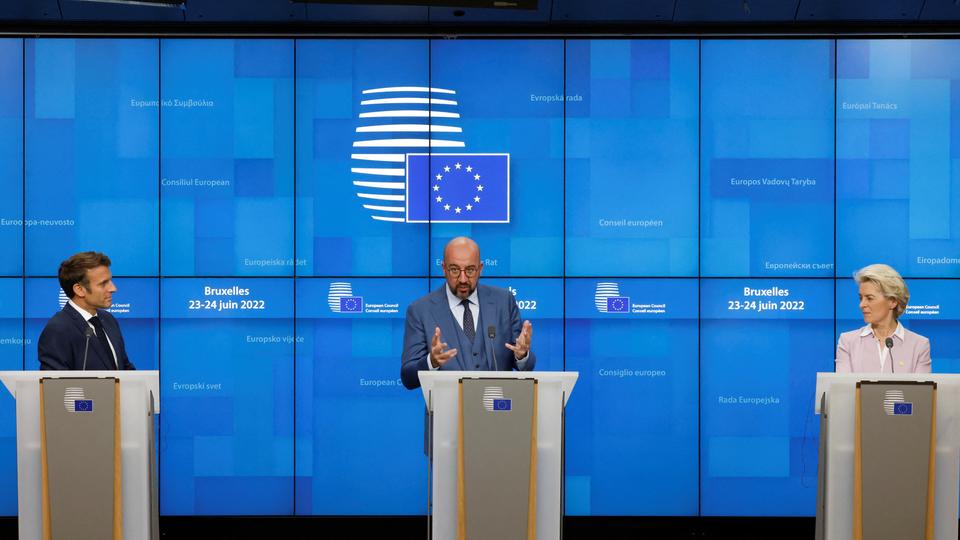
column 468, row 327
column 102, row 337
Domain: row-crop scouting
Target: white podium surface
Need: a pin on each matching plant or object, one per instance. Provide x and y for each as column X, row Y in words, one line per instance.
column 840, row 390
column 135, row 390
column 440, row 391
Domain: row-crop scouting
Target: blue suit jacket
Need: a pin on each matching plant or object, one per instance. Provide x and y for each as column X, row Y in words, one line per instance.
column 62, row 342
column 497, row 308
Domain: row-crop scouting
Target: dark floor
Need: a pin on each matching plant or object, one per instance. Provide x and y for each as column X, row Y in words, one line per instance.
column 575, row 528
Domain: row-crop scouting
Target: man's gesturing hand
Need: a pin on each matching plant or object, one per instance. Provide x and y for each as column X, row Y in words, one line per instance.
column 439, row 354
column 522, row 346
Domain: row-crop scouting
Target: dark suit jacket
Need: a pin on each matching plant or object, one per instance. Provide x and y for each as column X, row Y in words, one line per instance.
column 497, row 308
column 62, row 342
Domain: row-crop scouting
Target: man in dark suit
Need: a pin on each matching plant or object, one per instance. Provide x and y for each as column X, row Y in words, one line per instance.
column 482, row 322
column 83, row 335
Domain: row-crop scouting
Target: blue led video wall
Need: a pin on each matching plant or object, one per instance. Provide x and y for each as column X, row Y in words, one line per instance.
column 632, row 114
column 226, row 166
column 678, row 219
column 767, row 158
column 898, row 134
column 632, row 444
column 761, row 343
column 90, row 152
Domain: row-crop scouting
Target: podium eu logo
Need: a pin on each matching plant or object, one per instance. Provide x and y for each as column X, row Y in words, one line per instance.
column 903, row 408
column 458, row 188
column 83, row 405
column 618, row 304
column 351, row 304
column 502, row 404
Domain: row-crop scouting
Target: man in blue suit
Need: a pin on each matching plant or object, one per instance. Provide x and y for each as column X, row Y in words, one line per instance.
column 482, row 322
column 83, row 335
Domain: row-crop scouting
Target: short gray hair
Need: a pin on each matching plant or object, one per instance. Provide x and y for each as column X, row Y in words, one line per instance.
column 890, row 283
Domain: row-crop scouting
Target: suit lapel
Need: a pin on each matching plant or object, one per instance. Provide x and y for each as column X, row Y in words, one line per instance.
column 448, row 327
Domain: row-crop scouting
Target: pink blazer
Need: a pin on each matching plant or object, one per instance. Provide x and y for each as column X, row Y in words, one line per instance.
column 859, row 354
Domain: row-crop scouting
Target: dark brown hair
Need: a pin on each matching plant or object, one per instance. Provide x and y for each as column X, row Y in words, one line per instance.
column 74, row 270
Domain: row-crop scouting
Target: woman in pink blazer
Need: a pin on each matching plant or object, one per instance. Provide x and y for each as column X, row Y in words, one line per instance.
column 883, row 345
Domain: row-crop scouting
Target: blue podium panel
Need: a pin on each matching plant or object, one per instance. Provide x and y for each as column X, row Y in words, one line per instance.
column 631, row 147
column 933, row 312
column 632, row 422
column 509, row 98
column 762, row 341
column 898, row 139
column 362, row 106
column 227, row 157
column 359, row 432
column 91, row 152
column 767, row 157
column 11, row 156
column 134, row 306
column 11, row 359
column 227, row 381
column 540, row 301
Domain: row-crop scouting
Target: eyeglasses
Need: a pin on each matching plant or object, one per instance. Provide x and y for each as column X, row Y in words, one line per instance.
column 454, row 271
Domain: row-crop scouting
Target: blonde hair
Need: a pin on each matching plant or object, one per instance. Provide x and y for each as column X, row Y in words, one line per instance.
column 889, row 282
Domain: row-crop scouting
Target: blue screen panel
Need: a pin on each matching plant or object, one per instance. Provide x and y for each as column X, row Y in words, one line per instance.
column 134, row 306
column 359, row 431
column 632, row 420
column 91, row 152
column 933, row 312
column 898, row 138
column 227, row 415
column 227, row 163
column 631, row 149
column 509, row 98
column 767, row 158
column 11, row 156
column 360, row 110
column 11, row 359
column 762, row 343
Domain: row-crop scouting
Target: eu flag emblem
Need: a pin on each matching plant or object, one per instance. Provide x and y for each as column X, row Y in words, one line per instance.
column 502, row 404
column 903, row 408
column 458, row 188
column 351, row 304
column 618, row 304
column 83, row 405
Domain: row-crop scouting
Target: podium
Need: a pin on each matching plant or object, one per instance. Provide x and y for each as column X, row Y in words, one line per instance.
column 506, row 479
column 86, row 466
column 889, row 458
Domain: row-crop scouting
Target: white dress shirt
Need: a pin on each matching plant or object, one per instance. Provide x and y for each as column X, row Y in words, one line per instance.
column 882, row 349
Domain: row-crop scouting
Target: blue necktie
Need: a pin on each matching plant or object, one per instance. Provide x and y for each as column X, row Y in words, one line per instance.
column 102, row 338
column 468, row 327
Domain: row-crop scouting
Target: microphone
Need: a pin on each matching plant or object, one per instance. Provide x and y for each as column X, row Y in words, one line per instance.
column 492, row 333
column 86, row 346
column 889, row 344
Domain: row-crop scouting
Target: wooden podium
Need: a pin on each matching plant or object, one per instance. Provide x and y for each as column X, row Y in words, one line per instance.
column 889, row 456
column 86, row 467
column 496, row 453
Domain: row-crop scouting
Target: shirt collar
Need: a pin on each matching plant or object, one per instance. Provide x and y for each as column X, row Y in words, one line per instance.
column 86, row 315
column 455, row 300
column 868, row 331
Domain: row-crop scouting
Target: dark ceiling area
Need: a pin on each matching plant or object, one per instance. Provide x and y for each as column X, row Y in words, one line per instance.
column 547, row 16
